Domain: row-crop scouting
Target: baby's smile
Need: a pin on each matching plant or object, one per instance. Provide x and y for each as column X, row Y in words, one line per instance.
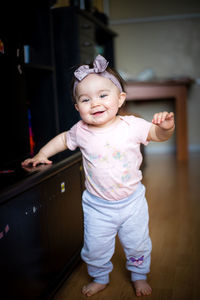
column 97, row 113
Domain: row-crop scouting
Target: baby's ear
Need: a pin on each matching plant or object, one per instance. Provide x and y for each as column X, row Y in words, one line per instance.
column 122, row 98
column 76, row 106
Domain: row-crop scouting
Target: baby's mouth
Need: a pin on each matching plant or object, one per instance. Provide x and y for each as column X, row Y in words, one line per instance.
column 97, row 113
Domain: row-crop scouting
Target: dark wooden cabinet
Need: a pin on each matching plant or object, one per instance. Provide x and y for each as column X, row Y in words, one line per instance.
column 37, row 65
column 28, row 102
column 41, row 226
column 40, row 77
column 64, row 215
column 41, row 230
column 14, row 131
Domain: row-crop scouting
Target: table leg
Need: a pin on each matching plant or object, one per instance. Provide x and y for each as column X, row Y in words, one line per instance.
column 181, row 125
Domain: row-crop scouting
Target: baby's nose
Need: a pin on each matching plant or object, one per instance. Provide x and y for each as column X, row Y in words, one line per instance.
column 95, row 102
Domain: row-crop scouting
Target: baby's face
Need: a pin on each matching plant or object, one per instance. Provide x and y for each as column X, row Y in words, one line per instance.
column 98, row 100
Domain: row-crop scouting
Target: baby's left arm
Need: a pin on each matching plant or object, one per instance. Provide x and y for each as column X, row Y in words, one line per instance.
column 162, row 128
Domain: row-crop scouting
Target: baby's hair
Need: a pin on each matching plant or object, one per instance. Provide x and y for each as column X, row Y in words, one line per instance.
column 109, row 70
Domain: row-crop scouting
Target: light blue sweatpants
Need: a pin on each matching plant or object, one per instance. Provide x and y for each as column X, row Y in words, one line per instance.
column 103, row 220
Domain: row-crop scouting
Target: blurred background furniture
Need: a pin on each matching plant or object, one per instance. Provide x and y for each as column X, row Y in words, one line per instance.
column 164, row 89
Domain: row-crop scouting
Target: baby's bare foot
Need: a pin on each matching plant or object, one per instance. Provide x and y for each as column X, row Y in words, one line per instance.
column 142, row 288
column 93, row 288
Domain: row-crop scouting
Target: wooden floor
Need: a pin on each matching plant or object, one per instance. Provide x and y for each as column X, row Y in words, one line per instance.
column 173, row 194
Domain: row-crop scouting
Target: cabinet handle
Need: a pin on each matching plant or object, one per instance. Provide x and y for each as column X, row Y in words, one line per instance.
column 86, row 26
column 87, row 44
column 62, row 187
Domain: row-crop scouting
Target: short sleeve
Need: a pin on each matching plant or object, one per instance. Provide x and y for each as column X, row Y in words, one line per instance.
column 140, row 128
column 71, row 138
column 143, row 128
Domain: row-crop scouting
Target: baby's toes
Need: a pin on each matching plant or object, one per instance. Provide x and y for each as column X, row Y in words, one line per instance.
column 138, row 292
column 84, row 290
column 147, row 291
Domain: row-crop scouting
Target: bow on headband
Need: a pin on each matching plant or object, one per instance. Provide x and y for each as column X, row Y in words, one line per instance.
column 100, row 64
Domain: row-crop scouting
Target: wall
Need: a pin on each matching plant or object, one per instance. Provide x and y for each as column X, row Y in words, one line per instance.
column 168, row 44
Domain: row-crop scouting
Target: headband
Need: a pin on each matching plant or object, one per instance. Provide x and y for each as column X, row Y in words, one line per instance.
column 100, row 64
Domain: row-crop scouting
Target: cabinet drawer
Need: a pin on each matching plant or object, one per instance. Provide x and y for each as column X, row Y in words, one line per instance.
column 86, row 28
column 86, row 43
column 65, row 221
column 86, row 40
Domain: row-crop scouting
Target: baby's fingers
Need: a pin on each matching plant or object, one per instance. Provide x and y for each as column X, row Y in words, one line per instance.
column 159, row 117
column 27, row 162
column 170, row 116
column 41, row 161
column 34, row 162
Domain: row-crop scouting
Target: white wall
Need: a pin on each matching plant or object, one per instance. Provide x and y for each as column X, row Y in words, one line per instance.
column 170, row 46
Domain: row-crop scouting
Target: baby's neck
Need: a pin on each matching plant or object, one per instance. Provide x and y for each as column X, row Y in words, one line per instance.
column 105, row 126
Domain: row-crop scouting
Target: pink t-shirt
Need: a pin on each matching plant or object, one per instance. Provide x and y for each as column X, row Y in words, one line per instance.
column 111, row 156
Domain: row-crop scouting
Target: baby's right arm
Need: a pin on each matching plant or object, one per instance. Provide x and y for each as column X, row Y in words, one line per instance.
column 53, row 147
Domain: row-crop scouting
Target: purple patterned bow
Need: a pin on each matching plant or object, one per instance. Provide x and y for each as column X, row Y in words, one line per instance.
column 100, row 64
column 137, row 262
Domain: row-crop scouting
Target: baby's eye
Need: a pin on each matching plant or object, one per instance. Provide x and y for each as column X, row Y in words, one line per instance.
column 85, row 100
column 103, row 95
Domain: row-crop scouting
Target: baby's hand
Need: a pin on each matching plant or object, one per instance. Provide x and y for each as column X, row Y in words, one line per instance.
column 36, row 160
column 164, row 120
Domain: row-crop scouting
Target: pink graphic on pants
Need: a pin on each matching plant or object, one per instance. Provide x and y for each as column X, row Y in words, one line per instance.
column 137, row 262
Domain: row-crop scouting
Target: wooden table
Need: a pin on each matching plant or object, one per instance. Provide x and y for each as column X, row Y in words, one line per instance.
column 165, row 89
